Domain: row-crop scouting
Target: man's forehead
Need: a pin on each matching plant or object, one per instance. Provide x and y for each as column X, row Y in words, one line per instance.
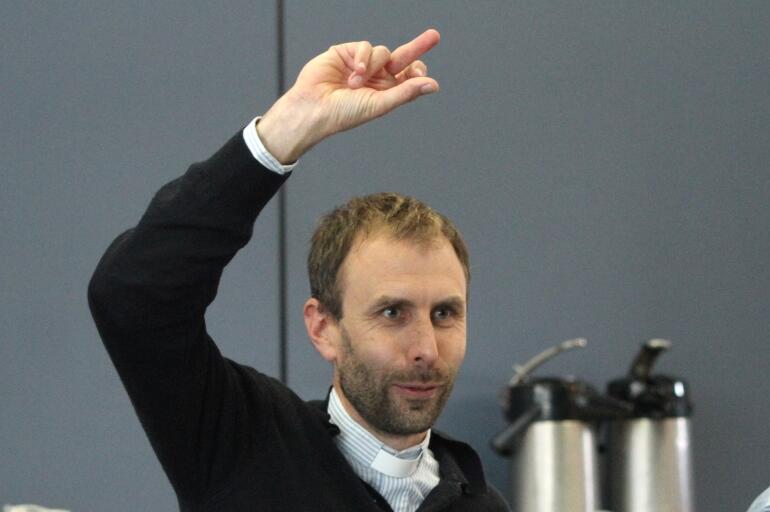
column 384, row 235
column 383, row 263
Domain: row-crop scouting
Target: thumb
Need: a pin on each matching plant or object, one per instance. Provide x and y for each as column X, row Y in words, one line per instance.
column 405, row 92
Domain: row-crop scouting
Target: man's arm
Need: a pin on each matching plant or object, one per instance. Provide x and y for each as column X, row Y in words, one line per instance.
column 151, row 289
column 148, row 297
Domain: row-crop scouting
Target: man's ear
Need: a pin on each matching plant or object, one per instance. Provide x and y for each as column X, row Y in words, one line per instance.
column 322, row 329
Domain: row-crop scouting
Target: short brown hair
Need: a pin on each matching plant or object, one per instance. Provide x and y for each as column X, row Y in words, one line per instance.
column 402, row 217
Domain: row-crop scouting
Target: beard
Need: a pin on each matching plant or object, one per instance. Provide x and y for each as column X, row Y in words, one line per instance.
column 370, row 391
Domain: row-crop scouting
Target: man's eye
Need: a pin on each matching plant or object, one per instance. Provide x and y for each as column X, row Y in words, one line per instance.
column 391, row 312
column 442, row 314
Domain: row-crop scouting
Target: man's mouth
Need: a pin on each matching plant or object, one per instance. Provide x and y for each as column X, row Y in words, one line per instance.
column 417, row 390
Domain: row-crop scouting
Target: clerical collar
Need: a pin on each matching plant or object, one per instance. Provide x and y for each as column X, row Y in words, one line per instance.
column 363, row 448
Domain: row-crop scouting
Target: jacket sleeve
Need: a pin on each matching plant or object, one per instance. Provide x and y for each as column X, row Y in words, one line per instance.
column 148, row 297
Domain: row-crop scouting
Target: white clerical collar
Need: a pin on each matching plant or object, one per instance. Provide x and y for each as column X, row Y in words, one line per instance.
column 391, row 465
column 361, row 445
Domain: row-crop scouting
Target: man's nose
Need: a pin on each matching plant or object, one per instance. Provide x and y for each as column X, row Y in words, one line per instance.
column 423, row 345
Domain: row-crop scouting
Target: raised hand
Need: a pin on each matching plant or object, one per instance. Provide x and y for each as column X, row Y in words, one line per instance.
column 349, row 84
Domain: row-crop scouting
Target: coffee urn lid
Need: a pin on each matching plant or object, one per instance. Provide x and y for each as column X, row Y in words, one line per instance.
column 659, row 396
column 562, row 399
column 652, row 396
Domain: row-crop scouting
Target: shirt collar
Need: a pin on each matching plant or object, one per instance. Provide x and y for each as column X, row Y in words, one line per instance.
column 458, row 461
column 359, row 444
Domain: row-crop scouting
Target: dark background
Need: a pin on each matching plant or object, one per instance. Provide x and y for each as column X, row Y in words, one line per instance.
column 607, row 162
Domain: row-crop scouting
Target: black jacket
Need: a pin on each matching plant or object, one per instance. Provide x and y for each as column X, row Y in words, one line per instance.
column 229, row 438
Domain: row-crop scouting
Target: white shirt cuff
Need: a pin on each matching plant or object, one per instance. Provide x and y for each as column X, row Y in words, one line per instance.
column 259, row 151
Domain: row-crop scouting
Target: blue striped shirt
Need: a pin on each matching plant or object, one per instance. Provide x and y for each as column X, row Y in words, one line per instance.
column 416, row 466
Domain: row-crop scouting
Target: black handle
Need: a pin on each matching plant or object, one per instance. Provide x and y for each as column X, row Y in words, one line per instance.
column 503, row 442
column 642, row 365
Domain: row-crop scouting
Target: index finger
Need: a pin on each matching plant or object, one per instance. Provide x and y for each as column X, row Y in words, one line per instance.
column 411, row 51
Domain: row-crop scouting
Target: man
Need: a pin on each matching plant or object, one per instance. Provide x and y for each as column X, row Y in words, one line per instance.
column 389, row 283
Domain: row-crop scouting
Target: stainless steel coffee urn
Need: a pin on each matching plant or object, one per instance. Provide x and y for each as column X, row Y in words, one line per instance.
column 551, row 438
column 649, row 459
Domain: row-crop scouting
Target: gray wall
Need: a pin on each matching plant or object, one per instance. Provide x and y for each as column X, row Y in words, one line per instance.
column 607, row 162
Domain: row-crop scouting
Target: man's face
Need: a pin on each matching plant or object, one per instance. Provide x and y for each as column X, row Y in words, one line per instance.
column 402, row 335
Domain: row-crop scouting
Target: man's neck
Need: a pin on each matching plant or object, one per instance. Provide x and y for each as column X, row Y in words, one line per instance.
column 396, row 442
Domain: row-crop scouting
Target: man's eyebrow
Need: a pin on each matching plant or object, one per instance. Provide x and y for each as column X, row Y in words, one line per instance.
column 383, row 301
column 387, row 300
column 456, row 303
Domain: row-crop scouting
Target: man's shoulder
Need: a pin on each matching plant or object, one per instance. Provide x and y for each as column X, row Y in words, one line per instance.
column 285, row 406
column 459, row 461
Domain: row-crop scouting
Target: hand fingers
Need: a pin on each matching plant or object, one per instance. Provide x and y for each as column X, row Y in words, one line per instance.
column 415, row 70
column 363, row 52
column 403, row 93
column 379, row 56
column 409, row 52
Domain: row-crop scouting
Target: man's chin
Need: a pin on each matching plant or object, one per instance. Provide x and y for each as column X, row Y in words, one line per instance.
column 414, row 415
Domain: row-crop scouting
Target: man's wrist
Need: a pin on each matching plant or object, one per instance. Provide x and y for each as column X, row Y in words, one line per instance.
column 289, row 129
column 260, row 153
